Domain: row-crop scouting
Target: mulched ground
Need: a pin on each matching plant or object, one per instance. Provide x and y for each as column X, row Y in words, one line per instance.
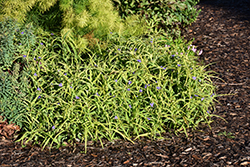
column 222, row 31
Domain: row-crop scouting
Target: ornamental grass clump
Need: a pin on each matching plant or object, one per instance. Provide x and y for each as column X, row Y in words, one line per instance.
column 137, row 87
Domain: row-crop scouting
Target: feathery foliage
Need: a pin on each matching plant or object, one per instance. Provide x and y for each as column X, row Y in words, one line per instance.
column 86, row 22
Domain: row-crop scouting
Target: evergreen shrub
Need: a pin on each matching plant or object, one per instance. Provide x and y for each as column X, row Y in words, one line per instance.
column 169, row 15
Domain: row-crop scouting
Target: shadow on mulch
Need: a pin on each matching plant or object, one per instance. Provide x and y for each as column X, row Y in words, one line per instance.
column 223, row 34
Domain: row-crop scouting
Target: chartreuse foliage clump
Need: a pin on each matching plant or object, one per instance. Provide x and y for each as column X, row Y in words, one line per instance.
column 137, row 87
column 87, row 22
column 15, row 43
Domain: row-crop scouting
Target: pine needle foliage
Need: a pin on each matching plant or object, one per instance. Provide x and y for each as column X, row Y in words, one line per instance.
column 87, row 22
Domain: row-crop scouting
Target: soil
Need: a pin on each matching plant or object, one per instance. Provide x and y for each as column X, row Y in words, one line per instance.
column 222, row 32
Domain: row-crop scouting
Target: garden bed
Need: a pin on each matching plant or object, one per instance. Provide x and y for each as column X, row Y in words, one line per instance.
column 223, row 34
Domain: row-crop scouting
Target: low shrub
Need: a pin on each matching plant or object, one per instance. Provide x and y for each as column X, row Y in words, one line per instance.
column 137, row 87
column 170, row 15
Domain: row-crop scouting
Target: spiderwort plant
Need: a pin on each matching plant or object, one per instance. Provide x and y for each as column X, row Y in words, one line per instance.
column 124, row 95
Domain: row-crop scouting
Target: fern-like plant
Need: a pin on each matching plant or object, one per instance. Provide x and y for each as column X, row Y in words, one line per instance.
column 15, row 43
column 14, row 38
column 13, row 89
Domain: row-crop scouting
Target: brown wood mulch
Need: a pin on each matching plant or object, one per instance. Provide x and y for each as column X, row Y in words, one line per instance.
column 222, row 31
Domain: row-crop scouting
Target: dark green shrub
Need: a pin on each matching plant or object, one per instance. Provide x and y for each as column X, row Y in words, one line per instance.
column 166, row 14
column 49, row 20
